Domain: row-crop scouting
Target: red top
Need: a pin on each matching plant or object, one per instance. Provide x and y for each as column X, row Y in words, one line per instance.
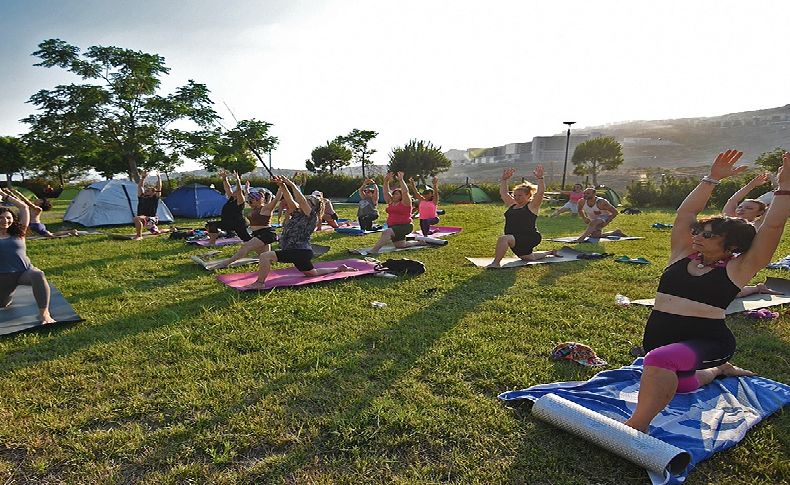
column 398, row 214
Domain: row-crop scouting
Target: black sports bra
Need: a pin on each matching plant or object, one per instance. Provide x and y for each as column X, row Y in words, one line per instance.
column 712, row 288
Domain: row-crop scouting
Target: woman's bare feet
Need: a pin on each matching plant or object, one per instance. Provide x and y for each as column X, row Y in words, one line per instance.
column 258, row 285
column 343, row 268
column 730, row 370
column 494, row 265
column 45, row 317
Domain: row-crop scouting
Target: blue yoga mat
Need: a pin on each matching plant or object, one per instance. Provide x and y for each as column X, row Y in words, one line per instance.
column 708, row 420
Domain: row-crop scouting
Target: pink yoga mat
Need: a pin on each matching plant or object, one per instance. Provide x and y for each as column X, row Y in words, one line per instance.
column 293, row 277
column 223, row 241
column 439, row 231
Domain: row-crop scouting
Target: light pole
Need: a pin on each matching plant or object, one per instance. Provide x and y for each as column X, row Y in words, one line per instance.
column 567, row 144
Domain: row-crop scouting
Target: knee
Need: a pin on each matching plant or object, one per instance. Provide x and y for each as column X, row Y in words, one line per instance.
column 37, row 276
column 674, row 357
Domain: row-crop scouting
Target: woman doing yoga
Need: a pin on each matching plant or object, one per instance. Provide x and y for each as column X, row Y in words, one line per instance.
column 750, row 209
column 232, row 215
column 521, row 233
column 36, row 208
column 687, row 341
column 398, row 216
column 295, row 239
column 428, row 205
column 15, row 267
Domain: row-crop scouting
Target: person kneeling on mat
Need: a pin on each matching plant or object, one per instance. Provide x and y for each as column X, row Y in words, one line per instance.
column 597, row 213
column 232, row 215
column 428, row 205
column 711, row 260
column 521, row 232
column 15, row 267
column 295, row 239
column 263, row 235
column 367, row 212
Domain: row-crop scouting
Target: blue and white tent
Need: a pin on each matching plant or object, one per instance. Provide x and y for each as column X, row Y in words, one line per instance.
column 196, row 201
column 109, row 202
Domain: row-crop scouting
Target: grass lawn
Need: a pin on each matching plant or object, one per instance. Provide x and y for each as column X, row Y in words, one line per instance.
column 174, row 378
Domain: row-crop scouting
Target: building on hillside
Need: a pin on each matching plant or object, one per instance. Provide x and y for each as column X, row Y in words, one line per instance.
column 546, row 149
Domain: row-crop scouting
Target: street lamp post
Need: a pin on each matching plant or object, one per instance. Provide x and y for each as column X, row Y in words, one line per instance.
column 567, row 144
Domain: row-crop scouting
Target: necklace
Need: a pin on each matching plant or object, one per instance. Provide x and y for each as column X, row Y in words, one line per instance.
column 716, row 264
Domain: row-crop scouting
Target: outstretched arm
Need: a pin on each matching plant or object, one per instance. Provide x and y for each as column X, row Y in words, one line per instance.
column 23, row 214
column 158, row 184
column 269, row 208
column 414, row 189
column 504, row 193
column 737, row 197
column 226, row 184
column 141, row 183
column 238, row 193
column 404, row 190
column 723, row 167
column 298, row 199
column 435, row 182
column 537, row 199
column 387, row 178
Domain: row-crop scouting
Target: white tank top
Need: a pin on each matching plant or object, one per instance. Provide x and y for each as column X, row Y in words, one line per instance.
column 594, row 212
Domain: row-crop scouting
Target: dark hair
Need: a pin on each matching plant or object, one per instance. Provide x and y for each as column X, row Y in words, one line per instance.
column 738, row 233
column 15, row 229
column 45, row 204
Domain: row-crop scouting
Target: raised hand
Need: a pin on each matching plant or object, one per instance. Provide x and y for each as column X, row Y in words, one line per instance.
column 389, row 176
column 400, row 175
column 761, row 179
column 724, row 165
column 435, row 181
column 538, row 171
column 783, row 175
column 507, row 173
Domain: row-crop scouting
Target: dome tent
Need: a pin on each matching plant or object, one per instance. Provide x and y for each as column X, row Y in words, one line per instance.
column 109, row 202
column 466, row 194
column 195, row 201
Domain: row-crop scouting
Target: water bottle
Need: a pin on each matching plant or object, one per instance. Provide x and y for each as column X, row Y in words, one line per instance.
column 621, row 300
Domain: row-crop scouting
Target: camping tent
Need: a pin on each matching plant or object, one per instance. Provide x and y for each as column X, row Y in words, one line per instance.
column 466, row 194
column 109, row 202
column 354, row 197
column 196, row 201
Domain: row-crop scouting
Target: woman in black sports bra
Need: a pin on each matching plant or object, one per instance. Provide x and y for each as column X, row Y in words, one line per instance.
column 687, row 341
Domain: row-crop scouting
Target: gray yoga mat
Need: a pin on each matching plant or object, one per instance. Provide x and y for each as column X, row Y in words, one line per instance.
column 572, row 239
column 566, row 253
column 637, row 447
column 22, row 314
column 751, row 302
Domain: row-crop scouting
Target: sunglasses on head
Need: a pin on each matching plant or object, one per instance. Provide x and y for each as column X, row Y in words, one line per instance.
column 696, row 231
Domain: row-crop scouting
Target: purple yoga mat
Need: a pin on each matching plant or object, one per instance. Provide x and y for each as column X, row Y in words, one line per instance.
column 223, row 241
column 293, row 277
column 439, row 231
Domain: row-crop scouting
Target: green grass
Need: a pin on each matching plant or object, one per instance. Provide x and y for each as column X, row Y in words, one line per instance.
column 174, row 378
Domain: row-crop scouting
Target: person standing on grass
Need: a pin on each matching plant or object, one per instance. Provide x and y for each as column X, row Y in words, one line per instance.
column 15, row 267
column 686, row 338
column 521, row 232
column 263, row 204
column 597, row 213
column 295, row 239
column 367, row 212
column 147, row 206
column 428, row 205
column 750, row 209
column 398, row 216
column 231, row 217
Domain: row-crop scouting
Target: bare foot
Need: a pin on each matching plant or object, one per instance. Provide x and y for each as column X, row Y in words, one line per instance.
column 45, row 317
column 344, row 268
column 730, row 370
column 138, row 238
column 494, row 265
column 258, row 285
column 631, row 425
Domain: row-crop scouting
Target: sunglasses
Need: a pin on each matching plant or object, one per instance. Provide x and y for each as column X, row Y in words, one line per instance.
column 696, row 231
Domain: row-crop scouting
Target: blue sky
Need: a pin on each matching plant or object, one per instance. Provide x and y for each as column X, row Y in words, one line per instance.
column 458, row 73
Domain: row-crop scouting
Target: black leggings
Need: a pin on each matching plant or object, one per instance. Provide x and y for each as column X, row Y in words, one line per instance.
column 238, row 227
column 366, row 222
column 425, row 225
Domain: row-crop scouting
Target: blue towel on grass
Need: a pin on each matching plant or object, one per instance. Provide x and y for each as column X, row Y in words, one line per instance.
column 710, row 419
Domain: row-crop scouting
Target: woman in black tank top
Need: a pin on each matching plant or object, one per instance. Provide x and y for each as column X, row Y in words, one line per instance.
column 686, row 337
column 521, row 234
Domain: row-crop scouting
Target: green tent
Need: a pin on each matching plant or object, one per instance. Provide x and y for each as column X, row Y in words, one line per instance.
column 466, row 194
column 609, row 194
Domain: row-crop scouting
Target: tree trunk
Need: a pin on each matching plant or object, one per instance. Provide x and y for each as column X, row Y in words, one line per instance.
column 595, row 174
column 8, row 179
column 169, row 185
column 60, row 176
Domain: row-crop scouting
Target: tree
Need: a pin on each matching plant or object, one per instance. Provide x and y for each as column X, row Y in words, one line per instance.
column 12, row 159
column 418, row 159
column 121, row 113
column 596, row 155
column 772, row 160
column 357, row 141
column 329, row 157
column 235, row 149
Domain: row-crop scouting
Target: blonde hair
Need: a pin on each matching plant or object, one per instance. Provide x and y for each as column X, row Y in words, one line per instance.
column 527, row 187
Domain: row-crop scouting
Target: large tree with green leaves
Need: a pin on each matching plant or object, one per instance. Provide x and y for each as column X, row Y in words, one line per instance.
column 357, row 141
column 596, row 155
column 118, row 111
column 329, row 157
column 772, row 160
column 233, row 150
column 12, row 159
column 419, row 159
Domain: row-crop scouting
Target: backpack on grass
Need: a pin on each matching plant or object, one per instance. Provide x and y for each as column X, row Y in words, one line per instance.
column 403, row 266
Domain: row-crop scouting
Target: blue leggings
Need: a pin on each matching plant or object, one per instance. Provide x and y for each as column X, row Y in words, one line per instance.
column 425, row 225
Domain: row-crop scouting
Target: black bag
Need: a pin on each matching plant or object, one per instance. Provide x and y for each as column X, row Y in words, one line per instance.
column 403, row 266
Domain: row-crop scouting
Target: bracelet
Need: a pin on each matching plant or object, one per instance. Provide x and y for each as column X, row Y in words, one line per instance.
column 710, row 180
column 781, row 192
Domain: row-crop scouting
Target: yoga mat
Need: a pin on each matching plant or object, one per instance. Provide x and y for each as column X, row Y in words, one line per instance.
column 390, row 249
column 711, row 419
column 751, row 302
column 572, row 239
column 22, row 314
column 221, row 241
column 293, row 277
column 438, row 231
column 566, row 253
column 637, row 447
column 356, row 230
column 209, row 260
column 79, row 233
column 131, row 237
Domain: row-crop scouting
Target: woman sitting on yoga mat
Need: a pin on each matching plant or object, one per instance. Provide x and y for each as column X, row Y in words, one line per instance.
column 295, row 239
column 687, row 341
column 367, row 212
column 750, row 209
column 521, row 233
column 232, row 215
column 263, row 204
column 398, row 216
column 15, row 267
column 429, row 203
column 36, row 208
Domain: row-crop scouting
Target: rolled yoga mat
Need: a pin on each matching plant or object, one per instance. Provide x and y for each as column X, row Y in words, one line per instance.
column 635, row 446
